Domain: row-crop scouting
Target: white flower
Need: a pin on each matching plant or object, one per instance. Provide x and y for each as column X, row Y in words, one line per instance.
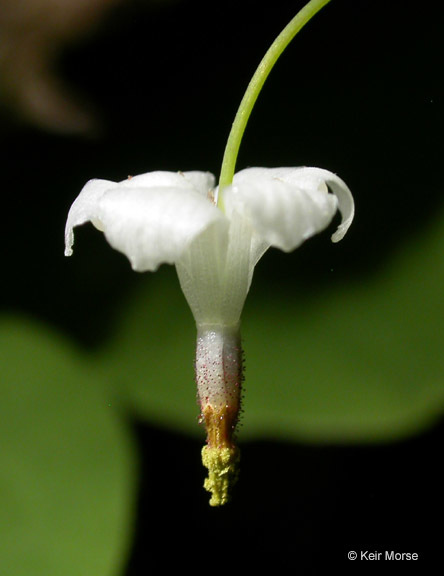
column 165, row 217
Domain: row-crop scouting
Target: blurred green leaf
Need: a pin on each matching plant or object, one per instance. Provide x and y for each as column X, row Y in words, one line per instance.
column 67, row 477
column 360, row 362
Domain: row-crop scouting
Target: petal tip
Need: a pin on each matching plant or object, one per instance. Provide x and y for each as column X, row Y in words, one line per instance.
column 346, row 205
column 69, row 241
column 339, row 234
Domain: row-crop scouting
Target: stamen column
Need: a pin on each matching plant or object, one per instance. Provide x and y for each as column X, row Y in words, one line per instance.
column 219, row 381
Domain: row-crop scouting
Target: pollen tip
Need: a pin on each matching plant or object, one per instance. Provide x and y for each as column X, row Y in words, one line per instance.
column 221, row 456
column 222, row 463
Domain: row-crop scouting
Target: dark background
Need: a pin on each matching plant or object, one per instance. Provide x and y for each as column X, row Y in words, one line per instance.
column 359, row 92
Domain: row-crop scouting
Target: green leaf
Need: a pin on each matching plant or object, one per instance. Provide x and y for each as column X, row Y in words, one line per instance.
column 67, row 468
column 360, row 362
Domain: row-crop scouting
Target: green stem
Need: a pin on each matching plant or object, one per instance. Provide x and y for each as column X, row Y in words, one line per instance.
column 254, row 88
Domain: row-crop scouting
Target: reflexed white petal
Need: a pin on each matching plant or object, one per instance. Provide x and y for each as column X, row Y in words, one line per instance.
column 336, row 185
column 150, row 218
column 285, row 206
column 85, row 209
column 154, row 225
column 283, row 214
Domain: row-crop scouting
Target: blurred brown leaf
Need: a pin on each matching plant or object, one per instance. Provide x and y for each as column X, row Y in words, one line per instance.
column 32, row 35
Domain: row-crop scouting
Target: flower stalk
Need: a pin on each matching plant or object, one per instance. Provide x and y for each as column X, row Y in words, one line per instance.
column 254, row 88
